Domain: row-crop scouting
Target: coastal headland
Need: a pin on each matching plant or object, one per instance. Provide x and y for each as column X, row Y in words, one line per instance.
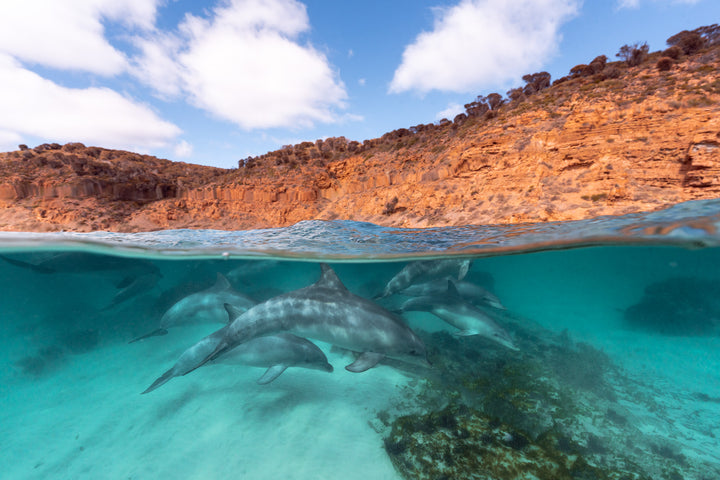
column 610, row 138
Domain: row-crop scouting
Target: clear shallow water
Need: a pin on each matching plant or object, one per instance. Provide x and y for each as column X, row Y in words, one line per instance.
column 617, row 372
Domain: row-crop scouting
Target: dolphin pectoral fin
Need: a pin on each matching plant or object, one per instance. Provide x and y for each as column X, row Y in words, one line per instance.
column 154, row 333
column 365, row 361
column 164, row 378
column 271, row 374
column 465, row 333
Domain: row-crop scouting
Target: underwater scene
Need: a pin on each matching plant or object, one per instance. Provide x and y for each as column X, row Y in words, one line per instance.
column 574, row 350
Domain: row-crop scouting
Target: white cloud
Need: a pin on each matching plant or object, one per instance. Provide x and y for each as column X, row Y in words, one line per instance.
column 69, row 34
column 246, row 64
column 450, row 112
column 32, row 105
column 636, row 3
column 9, row 140
column 183, row 149
column 482, row 42
column 362, row 82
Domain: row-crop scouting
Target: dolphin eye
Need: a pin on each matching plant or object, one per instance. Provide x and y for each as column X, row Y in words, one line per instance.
column 413, row 352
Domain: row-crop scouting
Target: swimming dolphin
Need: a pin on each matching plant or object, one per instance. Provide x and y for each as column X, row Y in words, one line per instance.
column 206, row 306
column 421, row 270
column 276, row 352
column 137, row 275
column 471, row 320
column 328, row 312
column 439, row 286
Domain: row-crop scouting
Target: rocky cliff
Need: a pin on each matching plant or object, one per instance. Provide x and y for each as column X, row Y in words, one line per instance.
column 590, row 145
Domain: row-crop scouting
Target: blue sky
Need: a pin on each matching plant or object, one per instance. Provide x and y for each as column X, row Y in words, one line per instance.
column 214, row 82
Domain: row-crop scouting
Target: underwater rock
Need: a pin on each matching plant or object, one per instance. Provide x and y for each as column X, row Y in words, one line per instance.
column 682, row 306
column 473, row 445
column 556, row 409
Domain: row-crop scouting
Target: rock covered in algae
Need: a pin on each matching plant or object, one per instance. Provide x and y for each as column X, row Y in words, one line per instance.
column 557, row 409
column 459, row 442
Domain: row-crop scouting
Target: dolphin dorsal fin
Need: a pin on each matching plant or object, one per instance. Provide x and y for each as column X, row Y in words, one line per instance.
column 329, row 279
column 233, row 312
column 221, row 283
column 452, row 289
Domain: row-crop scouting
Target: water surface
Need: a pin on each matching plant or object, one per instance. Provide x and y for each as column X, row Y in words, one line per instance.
column 617, row 372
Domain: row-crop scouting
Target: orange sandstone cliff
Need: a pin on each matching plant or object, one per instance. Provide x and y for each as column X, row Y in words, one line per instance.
column 635, row 140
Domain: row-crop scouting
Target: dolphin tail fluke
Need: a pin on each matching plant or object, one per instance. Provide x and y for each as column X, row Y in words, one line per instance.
column 164, row 378
column 154, row 333
column 271, row 374
column 365, row 361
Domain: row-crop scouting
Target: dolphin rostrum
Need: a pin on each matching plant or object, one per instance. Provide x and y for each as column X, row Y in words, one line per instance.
column 328, row 312
column 469, row 291
column 470, row 319
column 276, row 352
column 421, row 270
column 206, row 306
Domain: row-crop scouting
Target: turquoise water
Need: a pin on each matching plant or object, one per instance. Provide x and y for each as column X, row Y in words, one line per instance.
column 615, row 370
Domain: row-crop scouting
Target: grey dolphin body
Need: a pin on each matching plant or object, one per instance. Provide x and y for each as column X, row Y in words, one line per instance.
column 469, row 291
column 276, row 353
column 328, row 312
column 206, row 306
column 138, row 275
column 421, row 270
column 471, row 320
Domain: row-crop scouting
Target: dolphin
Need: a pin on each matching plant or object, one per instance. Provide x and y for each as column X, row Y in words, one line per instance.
column 206, row 306
column 419, row 270
column 137, row 275
column 327, row 311
column 470, row 319
column 276, row 352
column 468, row 291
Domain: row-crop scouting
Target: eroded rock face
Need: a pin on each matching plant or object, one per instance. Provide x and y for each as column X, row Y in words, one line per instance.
column 577, row 150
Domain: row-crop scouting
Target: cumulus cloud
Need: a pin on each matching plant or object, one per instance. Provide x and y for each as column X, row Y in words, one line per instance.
column 183, row 149
column 450, row 112
column 32, row 105
column 245, row 63
column 69, row 34
column 482, row 42
column 636, row 3
column 9, row 140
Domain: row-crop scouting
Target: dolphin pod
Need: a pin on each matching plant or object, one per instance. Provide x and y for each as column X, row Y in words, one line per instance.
column 206, row 306
column 138, row 275
column 420, row 270
column 328, row 312
column 468, row 291
column 469, row 319
column 276, row 353
column 274, row 334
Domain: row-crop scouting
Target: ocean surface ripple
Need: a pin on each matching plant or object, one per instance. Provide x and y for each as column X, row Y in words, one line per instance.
column 689, row 224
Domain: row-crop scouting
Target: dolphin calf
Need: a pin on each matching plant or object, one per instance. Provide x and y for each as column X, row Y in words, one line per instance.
column 468, row 291
column 276, row 352
column 206, row 306
column 453, row 309
column 421, row 270
column 328, row 312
